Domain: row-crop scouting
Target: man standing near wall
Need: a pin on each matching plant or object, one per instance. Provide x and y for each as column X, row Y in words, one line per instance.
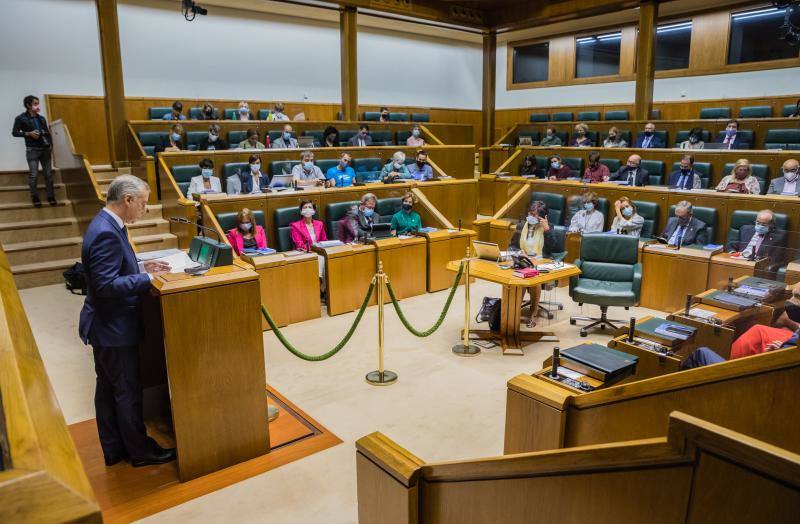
column 38, row 147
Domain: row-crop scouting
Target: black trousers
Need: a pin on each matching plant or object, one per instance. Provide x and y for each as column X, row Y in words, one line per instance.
column 118, row 403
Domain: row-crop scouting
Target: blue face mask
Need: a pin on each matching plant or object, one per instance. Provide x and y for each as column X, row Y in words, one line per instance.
column 287, row 136
column 176, row 137
column 415, row 132
column 207, row 172
column 368, row 212
column 308, row 166
column 532, row 220
column 588, row 206
column 244, row 110
column 761, row 229
column 555, row 165
column 730, row 132
column 627, row 212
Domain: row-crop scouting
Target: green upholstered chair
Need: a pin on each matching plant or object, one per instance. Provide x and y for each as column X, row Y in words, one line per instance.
column 367, row 169
column 663, row 135
column 230, row 113
column 382, row 138
column 195, row 113
column 402, row 136
column 317, row 134
column 227, row 221
column 594, row 136
column 654, row 167
column 782, row 138
column 333, row 213
column 588, row 116
column 756, row 112
column 183, row 175
column 280, row 167
column 556, row 206
column 616, row 115
column 372, row 116
column 233, row 168
column 236, row 136
column 746, row 136
column 576, row 164
column 193, row 138
column 282, row 222
column 274, row 135
column 611, row 163
column 704, row 169
column 625, row 134
column 387, row 207
column 263, row 114
column 602, row 204
column 398, row 117
column 151, row 139
column 564, row 136
column 610, row 276
column 541, row 165
column 539, row 117
column 683, row 136
column 157, row 113
column 649, row 212
column 655, row 180
column 547, row 308
column 326, row 163
column 563, row 116
column 760, row 171
column 741, row 218
column 535, row 136
column 655, row 114
column 420, row 117
column 715, row 112
column 345, row 135
column 708, row 215
column 789, row 109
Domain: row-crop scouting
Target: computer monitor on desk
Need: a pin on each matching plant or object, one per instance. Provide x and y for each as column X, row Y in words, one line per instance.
column 211, row 253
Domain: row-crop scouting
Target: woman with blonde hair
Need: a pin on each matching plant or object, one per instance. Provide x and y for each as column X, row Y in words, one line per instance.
column 614, row 139
column 580, row 138
column 627, row 220
column 740, row 180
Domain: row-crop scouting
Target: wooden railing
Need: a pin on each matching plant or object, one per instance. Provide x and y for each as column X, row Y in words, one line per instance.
column 41, row 475
column 693, row 474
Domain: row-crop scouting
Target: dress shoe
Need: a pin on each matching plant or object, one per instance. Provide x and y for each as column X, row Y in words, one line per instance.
column 114, row 459
column 52, row 201
column 36, row 202
column 155, row 457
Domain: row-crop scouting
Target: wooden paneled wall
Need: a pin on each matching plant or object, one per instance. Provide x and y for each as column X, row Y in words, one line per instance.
column 86, row 117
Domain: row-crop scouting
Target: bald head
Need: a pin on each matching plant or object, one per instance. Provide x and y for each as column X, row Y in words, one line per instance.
column 791, row 165
column 634, row 161
column 765, row 217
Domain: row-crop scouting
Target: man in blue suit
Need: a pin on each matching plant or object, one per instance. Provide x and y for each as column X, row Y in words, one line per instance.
column 110, row 321
column 648, row 139
column 732, row 138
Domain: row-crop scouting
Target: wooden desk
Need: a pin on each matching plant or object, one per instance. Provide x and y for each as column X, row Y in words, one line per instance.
column 443, row 246
column 511, row 337
column 670, row 274
column 651, row 364
column 792, row 273
column 289, row 285
column 405, row 263
column 724, row 266
column 348, row 272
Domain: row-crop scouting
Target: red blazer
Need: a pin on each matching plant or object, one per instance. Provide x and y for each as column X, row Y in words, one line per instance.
column 237, row 240
column 300, row 236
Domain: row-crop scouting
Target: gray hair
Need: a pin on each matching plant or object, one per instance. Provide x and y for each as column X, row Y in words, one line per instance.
column 767, row 212
column 684, row 204
column 125, row 185
column 399, row 157
column 367, row 197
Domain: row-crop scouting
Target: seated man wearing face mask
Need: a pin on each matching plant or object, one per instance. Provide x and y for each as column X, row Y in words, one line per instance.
column 396, row 169
column 421, row 169
column 286, row 140
column 732, row 138
column 358, row 221
column 206, row 182
column 684, row 229
column 550, row 138
column 362, row 138
column 761, row 240
column 589, row 219
column 248, row 182
column 305, row 173
column 648, row 139
column 758, row 339
column 341, row 175
column 786, row 184
column 685, row 177
column 212, row 141
column 632, row 173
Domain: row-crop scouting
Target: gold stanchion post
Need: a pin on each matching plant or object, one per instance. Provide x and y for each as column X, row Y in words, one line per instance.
column 381, row 377
column 465, row 349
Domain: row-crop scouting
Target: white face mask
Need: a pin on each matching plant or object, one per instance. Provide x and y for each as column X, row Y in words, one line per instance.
column 255, row 168
column 790, row 176
column 212, row 137
column 308, row 212
column 398, row 165
column 246, row 226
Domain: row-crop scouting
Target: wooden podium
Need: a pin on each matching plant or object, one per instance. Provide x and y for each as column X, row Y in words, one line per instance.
column 212, row 353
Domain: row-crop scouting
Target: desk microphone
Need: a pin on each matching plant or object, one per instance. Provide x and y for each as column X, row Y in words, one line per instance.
column 730, row 284
column 556, row 358
column 181, row 220
column 459, row 224
column 688, row 304
column 631, row 329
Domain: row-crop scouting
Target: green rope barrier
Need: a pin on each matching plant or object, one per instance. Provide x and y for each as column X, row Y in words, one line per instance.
column 438, row 322
column 316, row 358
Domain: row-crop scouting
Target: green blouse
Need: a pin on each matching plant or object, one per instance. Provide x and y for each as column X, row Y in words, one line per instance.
column 403, row 222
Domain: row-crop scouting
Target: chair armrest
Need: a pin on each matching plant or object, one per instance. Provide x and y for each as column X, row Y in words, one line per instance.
column 573, row 281
column 559, row 257
column 637, row 280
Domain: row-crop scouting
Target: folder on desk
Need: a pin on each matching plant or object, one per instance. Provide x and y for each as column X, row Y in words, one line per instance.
column 728, row 301
column 663, row 331
column 599, row 362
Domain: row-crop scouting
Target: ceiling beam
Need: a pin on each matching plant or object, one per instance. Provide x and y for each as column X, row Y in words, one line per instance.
column 433, row 10
column 527, row 14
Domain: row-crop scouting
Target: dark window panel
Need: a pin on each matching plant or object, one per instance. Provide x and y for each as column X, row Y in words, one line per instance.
column 530, row 63
column 597, row 55
column 672, row 46
column 754, row 37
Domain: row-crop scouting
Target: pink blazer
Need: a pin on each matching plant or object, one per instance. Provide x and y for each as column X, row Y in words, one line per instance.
column 300, row 236
column 237, row 240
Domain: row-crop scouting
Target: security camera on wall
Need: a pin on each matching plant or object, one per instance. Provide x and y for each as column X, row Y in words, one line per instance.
column 191, row 10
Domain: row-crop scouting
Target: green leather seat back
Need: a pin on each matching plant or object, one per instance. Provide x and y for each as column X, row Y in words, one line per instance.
column 387, row 207
column 563, row 136
column 382, row 138
column 556, row 206
column 611, row 163
column 152, row 138
column 227, row 221
column 535, row 136
column 616, row 115
column 625, row 134
column 398, row 117
column 576, row 164
column 317, row 134
column 541, row 165
column 745, row 136
column 760, row 171
column 756, row 112
column 562, row 116
column 346, row 135
column 193, row 138
column 420, row 117
column 326, row 163
column 654, row 167
column 234, row 168
column 263, row 114
column 610, row 274
column 655, row 114
column 741, row 218
column 183, row 175
column 703, row 169
column 372, row 116
column 274, row 135
column 649, row 212
column 333, row 213
column 195, row 113
column 715, row 112
column 283, row 231
column 539, row 117
column 157, row 113
column 706, row 214
column 588, row 116
column 559, row 242
column 781, row 138
column 663, row 135
column 367, row 169
column 682, row 136
column 602, row 204
column 594, row 136
column 280, row 167
column 402, row 137
column 788, row 109
column 655, row 180
column 234, row 137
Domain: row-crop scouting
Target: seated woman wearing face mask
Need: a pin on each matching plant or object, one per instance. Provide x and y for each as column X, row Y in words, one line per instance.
column 406, row 220
column 248, row 182
column 626, row 220
column 306, row 232
column 589, row 219
column 415, row 140
column 173, row 141
column 534, row 237
column 396, row 169
column 557, row 170
column 212, row 141
column 580, row 139
column 247, row 234
column 359, row 219
column 695, row 140
column 244, row 112
column 550, row 138
column 614, row 139
column 741, row 180
column 206, row 182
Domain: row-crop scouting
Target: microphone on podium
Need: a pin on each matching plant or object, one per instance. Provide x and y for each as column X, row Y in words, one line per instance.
column 181, row 220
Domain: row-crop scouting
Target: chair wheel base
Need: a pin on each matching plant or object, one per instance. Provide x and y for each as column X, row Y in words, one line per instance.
column 572, row 321
column 584, row 333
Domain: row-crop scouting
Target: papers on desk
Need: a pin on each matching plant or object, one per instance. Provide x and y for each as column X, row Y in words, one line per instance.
column 294, row 253
column 178, row 261
column 329, row 243
column 427, row 229
column 258, row 252
column 152, row 255
column 405, row 237
column 552, row 266
column 566, row 372
column 701, row 313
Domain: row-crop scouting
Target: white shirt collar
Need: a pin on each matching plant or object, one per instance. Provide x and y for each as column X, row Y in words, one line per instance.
column 116, row 217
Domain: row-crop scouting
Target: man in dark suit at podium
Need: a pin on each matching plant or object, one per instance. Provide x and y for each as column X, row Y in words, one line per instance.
column 110, row 321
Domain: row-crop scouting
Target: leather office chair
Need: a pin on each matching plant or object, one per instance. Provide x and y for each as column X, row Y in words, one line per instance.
column 563, row 116
column 281, row 167
column 183, row 176
column 788, row 110
column 317, row 134
column 576, row 164
column 345, row 135
column 326, row 163
column 333, row 213
column 588, row 116
column 706, row 214
column 195, row 113
column 372, row 116
column 151, row 139
column 610, row 276
column 386, row 208
column 263, row 114
column 283, row 231
column 654, row 167
column 741, row 218
column 193, row 138
column 756, row 112
column 539, row 117
column 745, row 135
column 782, row 139
column 235, row 137
column 649, row 212
column 402, row 136
column 682, row 136
column 157, row 113
column 655, row 114
column 611, row 163
column 382, row 138
column 715, row 112
column 398, row 117
column 367, row 169
column 556, row 206
column 420, row 117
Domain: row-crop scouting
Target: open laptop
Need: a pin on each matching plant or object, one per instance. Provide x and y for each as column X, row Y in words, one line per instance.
column 380, row 231
column 282, row 181
column 715, row 145
column 305, row 141
column 486, row 250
